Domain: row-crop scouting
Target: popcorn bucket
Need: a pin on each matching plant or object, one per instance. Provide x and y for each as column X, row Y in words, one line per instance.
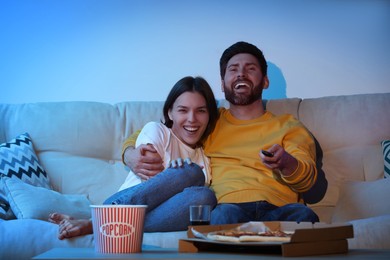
column 118, row 228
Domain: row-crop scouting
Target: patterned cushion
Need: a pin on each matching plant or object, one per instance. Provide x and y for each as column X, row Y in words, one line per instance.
column 386, row 157
column 18, row 160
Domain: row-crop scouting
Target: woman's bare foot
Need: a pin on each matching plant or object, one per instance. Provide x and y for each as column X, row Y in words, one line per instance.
column 56, row 218
column 70, row 227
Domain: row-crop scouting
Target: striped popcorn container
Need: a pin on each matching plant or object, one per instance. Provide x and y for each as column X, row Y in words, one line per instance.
column 118, row 228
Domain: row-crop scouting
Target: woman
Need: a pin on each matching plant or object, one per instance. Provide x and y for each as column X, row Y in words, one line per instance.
column 190, row 113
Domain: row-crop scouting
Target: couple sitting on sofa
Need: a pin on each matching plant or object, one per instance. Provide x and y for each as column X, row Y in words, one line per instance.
column 247, row 184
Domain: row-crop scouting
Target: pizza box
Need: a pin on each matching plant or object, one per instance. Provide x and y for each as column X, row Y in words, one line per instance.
column 308, row 239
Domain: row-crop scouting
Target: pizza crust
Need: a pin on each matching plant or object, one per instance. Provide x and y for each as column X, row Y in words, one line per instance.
column 247, row 236
column 263, row 239
column 223, row 238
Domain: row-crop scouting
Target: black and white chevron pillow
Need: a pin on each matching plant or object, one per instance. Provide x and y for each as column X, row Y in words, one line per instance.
column 18, row 160
column 386, row 157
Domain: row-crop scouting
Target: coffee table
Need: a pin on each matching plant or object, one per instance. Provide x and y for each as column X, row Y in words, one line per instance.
column 162, row 253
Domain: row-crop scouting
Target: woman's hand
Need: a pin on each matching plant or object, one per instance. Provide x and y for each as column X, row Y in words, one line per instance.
column 179, row 162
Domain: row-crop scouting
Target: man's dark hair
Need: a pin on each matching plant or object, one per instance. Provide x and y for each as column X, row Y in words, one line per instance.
column 242, row 47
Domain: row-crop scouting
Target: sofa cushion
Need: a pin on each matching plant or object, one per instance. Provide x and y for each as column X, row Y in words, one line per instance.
column 164, row 239
column 31, row 202
column 26, row 238
column 359, row 200
column 18, row 160
column 370, row 233
column 386, row 157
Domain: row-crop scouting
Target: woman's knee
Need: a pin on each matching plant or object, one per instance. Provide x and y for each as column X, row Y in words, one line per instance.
column 202, row 195
column 194, row 172
column 191, row 174
column 208, row 196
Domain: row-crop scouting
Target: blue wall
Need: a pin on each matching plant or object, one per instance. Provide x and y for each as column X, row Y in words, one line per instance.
column 120, row 50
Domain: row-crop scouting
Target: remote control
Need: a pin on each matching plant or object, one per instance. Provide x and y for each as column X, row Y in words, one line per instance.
column 266, row 153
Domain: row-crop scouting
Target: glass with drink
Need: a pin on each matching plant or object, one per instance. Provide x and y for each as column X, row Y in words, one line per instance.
column 200, row 215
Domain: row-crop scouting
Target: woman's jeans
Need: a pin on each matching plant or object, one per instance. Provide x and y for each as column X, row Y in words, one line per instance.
column 227, row 213
column 168, row 196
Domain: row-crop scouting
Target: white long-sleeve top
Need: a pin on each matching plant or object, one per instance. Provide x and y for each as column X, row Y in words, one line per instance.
column 169, row 147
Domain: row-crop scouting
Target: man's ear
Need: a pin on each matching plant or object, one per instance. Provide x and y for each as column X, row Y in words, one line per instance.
column 265, row 82
column 222, row 84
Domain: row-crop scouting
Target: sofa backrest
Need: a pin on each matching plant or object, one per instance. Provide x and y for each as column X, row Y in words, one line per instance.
column 79, row 143
column 349, row 130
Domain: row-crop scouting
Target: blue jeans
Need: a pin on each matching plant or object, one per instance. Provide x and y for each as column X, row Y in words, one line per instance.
column 226, row 213
column 168, row 195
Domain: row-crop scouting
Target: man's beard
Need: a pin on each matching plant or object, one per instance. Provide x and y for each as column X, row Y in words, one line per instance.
column 243, row 99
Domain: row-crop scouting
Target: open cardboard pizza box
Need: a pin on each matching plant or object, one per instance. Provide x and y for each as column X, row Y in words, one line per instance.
column 306, row 239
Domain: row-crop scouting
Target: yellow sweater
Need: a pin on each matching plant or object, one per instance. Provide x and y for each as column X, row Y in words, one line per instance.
column 238, row 175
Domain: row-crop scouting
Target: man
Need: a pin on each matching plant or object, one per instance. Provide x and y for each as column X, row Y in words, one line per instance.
column 249, row 185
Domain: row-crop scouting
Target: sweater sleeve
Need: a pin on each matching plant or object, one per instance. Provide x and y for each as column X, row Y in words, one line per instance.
column 130, row 142
column 300, row 144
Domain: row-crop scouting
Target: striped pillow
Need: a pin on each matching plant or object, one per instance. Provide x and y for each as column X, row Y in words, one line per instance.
column 386, row 157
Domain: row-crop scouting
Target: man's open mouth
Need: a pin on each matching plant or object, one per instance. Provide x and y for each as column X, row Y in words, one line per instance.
column 242, row 85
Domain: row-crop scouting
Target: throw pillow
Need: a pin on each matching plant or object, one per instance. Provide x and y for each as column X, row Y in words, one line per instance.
column 362, row 199
column 18, row 160
column 31, row 202
column 386, row 157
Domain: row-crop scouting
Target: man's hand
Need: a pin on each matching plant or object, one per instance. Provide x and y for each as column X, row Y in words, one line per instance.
column 281, row 160
column 144, row 161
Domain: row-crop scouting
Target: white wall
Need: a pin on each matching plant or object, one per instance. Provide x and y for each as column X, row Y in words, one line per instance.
column 125, row 50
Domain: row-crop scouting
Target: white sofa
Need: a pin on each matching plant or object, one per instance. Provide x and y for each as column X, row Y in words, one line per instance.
column 79, row 146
